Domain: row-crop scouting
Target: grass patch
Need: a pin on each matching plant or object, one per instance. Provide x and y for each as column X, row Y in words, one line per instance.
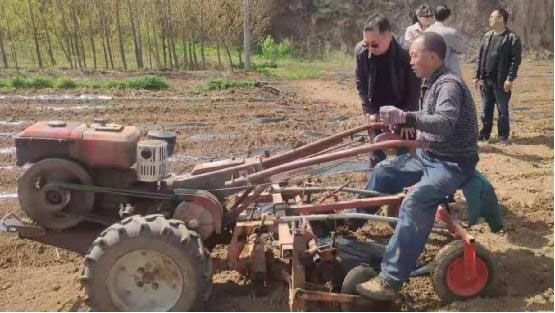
column 292, row 68
column 32, row 82
column 224, row 83
column 148, row 82
column 65, row 83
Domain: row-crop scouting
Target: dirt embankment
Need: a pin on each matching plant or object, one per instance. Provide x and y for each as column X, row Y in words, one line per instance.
column 341, row 22
column 235, row 122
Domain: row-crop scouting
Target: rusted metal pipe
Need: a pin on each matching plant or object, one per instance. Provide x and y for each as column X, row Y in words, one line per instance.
column 262, row 176
column 343, row 216
column 348, row 204
column 296, row 190
column 314, row 147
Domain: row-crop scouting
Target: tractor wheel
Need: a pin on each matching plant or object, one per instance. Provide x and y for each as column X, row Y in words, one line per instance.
column 448, row 276
column 147, row 264
column 44, row 202
column 356, row 276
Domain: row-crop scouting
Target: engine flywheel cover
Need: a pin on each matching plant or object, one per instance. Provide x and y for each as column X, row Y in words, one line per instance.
column 196, row 217
column 43, row 202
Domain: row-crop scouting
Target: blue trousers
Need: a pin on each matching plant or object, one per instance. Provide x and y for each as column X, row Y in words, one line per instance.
column 433, row 181
column 492, row 95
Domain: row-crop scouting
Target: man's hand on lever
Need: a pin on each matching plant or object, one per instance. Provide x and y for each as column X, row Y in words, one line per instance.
column 407, row 133
column 390, row 115
column 371, row 118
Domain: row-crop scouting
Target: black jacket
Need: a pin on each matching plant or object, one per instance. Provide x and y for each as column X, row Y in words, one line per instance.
column 405, row 84
column 510, row 55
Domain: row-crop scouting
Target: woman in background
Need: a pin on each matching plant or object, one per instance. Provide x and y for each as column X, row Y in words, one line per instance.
column 424, row 18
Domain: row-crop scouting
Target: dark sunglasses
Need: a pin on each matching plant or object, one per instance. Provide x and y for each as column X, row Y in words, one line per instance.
column 374, row 45
column 427, row 16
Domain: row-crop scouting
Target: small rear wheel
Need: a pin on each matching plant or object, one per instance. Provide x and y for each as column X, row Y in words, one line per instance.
column 147, row 264
column 449, row 279
column 357, row 275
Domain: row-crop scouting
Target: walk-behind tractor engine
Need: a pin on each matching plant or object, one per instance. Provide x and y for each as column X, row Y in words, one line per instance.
column 104, row 191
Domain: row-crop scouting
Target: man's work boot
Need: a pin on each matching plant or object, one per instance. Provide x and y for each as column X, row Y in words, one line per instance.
column 376, row 288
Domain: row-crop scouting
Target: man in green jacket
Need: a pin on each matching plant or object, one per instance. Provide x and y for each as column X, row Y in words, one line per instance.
column 496, row 69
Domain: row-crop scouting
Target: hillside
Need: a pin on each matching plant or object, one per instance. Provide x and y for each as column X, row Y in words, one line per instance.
column 340, row 21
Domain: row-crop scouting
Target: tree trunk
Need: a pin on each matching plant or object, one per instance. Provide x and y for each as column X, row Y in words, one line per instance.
column 66, row 35
column 2, row 50
column 170, row 56
column 164, row 51
column 48, row 42
column 80, row 37
column 195, row 55
column 141, row 56
column 103, row 33
column 149, row 44
column 64, row 49
column 121, row 50
column 186, row 64
column 12, row 48
column 202, row 35
column 109, row 47
column 171, row 36
column 35, row 33
column 174, row 52
column 247, row 33
column 228, row 55
column 135, row 37
column 219, row 57
column 191, row 54
column 104, row 49
column 156, row 52
column 76, row 37
column 241, row 64
column 93, row 48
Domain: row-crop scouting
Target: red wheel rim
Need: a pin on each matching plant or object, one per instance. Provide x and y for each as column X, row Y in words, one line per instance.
column 460, row 284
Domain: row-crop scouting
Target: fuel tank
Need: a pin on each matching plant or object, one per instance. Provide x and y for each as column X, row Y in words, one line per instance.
column 95, row 145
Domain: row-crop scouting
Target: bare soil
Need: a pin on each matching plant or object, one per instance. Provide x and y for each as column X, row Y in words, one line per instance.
column 236, row 122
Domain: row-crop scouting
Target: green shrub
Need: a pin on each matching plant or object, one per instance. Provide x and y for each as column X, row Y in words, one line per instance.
column 273, row 51
column 148, row 82
column 223, row 83
column 18, row 82
column 65, row 83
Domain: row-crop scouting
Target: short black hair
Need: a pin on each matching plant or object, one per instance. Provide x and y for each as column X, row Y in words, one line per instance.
column 377, row 22
column 434, row 42
column 424, row 10
column 504, row 14
column 442, row 13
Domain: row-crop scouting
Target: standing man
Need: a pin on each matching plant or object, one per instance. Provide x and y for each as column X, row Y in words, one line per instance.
column 448, row 122
column 455, row 43
column 496, row 69
column 383, row 75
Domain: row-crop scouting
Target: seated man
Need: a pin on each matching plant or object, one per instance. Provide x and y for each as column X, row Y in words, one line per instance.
column 448, row 122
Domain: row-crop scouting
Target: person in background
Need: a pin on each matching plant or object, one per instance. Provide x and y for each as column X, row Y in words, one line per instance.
column 455, row 43
column 424, row 18
column 384, row 75
column 496, row 69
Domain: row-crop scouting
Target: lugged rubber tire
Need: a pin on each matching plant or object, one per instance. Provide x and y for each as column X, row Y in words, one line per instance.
column 443, row 263
column 357, row 275
column 156, row 235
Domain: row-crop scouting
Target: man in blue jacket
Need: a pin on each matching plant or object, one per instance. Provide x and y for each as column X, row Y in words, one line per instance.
column 496, row 69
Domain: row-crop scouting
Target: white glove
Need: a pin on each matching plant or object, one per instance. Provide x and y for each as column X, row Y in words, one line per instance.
column 391, row 115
